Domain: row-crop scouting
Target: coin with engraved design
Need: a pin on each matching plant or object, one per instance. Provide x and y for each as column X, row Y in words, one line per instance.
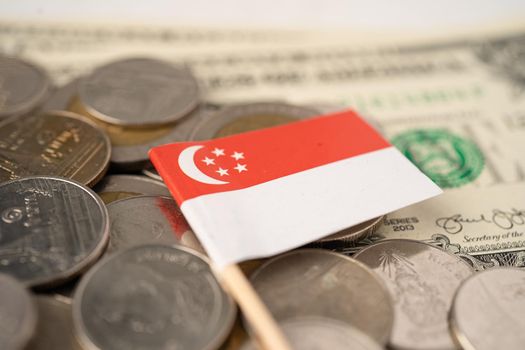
column 51, row 229
column 239, row 118
column 145, row 219
column 54, row 330
column 55, row 144
column 139, row 92
column 422, row 280
column 315, row 333
column 487, row 312
column 17, row 314
column 152, row 297
column 115, row 187
column 351, row 234
column 23, row 86
column 320, row 283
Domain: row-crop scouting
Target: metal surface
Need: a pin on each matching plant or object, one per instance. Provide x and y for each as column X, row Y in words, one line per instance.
column 17, row 314
column 422, row 280
column 354, row 233
column 315, row 282
column 54, row 329
column 139, row 92
column 53, row 143
column 22, row 86
column 52, row 229
column 145, row 219
column 115, row 187
column 60, row 98
column 487, row 312
column 152, row 297
column 130, row 146
column 235, row 119
column 322, row 333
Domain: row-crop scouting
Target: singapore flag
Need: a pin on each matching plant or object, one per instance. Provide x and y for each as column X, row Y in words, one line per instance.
column 264, row 192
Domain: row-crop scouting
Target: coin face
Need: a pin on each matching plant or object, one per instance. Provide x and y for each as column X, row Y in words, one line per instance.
column 55, row 325
column 52, row 229
column 22, row 86
column 17, row 314
column 488, row 308
column 247, row 117
column 152, row 297
column 319, row 283
column 422, row 280
column 56, row 144
column 145, row 219
column 322, row 333
column 130, row 146
column 139, row 92
column 115, row 187
column 354, row 233
column 60, row 98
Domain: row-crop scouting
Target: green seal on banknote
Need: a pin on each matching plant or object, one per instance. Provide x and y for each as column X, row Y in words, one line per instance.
column 449, row 160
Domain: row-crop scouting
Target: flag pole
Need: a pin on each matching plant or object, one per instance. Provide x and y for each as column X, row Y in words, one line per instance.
column 262, row 322
column 233, row 280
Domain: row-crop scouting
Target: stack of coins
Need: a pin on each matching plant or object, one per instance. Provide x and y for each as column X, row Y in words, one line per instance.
column 95, row 254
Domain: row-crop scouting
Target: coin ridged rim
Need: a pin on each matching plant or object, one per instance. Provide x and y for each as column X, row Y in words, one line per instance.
column 79, row 326
column 371, row 273
column 90, row 258
column 188, row 108
column 351, row 237
column 37, row 98
column 207, row 128
column 107, row 142
column 29, row 327
column 459, row 338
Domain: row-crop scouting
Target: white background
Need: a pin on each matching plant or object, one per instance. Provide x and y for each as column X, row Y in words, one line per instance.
column 386, row 15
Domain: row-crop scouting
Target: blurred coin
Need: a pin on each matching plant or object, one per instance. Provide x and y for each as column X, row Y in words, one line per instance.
column 60, row 98
column 152, row 297
column 17, row 314
column 152, row 173
column 115, row 187
column 487, row 312
column 351, row 234
column 422, row 280
column 145, row 219
column 56, row 144
column 54, row 330
column 130, row 146
column 139, row 92
column 235, row 119
column 52, row 229
column 22, row 86
column 312, row 333
column 315, row 282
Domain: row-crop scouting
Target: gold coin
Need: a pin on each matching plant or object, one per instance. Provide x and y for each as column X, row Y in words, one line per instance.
column 54, row 143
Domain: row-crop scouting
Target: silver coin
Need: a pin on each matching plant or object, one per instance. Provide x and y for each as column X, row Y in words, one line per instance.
column 322, row 333
column 319, row 283
column 152, row 173
column 60, row 99
column 52, row 229
column 235, row 119
column 145, row 219
column 115, row 187
column 17, row 314
column 487, row 312
column 352, row 234
column 152, row 297
column 422, row 280
column 139, row 92
column 55, row 325
column 22, row 86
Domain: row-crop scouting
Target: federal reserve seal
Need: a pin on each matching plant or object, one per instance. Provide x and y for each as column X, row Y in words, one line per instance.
column 449, row 160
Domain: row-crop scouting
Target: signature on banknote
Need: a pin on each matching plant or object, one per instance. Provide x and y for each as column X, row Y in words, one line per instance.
column 501, row 218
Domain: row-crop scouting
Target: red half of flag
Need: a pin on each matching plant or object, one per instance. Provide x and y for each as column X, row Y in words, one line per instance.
column 263, row 192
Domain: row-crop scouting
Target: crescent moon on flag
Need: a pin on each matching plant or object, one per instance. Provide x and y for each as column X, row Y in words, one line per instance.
column 188, row 167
